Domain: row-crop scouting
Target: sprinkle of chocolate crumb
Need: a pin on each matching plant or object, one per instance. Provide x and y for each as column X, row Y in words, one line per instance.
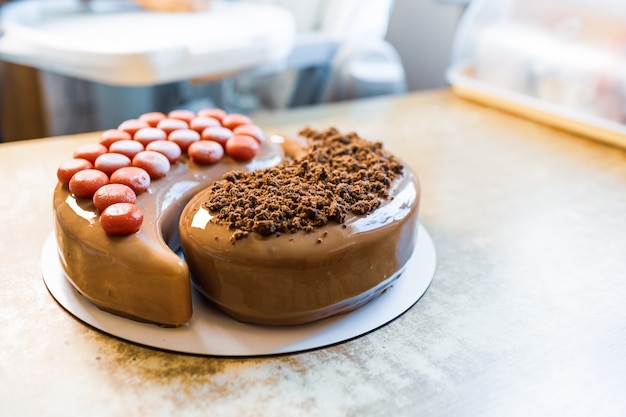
column 339, row 175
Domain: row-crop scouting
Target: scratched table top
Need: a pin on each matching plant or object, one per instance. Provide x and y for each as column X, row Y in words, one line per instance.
column 524, row 316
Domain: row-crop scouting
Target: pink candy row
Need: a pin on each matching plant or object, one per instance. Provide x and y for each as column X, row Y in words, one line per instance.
column 122, row 164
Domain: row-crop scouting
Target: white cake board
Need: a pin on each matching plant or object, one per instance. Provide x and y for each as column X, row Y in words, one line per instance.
column 211, row 332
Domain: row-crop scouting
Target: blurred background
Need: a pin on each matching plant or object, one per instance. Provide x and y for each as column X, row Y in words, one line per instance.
column 340, row 50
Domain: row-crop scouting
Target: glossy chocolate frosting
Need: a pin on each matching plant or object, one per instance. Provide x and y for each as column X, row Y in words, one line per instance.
column 140, row 276
column 295, row 278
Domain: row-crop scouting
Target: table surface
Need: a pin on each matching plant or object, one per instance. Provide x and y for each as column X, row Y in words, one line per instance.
column 525, row 315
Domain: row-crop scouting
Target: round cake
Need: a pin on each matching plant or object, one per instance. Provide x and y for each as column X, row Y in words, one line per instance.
column 278, row 232
column 316, row 236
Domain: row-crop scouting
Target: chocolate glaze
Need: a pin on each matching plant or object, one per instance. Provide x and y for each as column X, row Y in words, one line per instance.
column 277, row 280
column 140, row 276
column 300, row 277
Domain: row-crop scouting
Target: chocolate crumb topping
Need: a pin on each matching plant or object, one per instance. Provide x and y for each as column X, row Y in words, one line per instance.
column 340, row 174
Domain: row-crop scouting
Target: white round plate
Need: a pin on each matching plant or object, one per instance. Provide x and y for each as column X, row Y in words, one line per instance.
column 211, row 332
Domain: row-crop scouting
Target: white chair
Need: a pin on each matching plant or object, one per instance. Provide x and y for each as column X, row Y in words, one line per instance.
column 340, row 53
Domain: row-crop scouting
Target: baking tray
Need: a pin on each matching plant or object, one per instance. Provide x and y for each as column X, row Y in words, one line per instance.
column 593, row 127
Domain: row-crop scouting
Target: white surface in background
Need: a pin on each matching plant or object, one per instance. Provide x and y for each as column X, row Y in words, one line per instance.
column 131, row 46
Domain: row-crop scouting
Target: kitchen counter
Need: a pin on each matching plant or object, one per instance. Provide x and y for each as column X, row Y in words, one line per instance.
column 525, row 315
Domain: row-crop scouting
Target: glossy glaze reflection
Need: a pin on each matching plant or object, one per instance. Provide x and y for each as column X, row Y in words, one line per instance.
column 300, row 277
column 139, row 276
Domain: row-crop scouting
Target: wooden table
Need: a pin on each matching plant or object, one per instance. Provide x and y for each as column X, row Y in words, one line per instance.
column 525, row 315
